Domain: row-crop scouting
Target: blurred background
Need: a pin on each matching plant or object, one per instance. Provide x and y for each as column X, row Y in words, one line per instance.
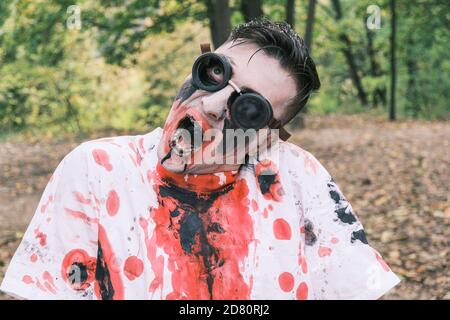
column 71, row 71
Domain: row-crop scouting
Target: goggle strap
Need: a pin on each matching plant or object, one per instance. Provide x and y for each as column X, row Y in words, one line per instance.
column 276, row 124
column 205, row 47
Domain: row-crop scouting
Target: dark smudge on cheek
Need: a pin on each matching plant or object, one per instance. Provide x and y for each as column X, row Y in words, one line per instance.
column 186, row 90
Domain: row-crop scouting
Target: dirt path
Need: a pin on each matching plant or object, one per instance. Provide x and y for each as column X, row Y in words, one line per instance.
column 395, row 175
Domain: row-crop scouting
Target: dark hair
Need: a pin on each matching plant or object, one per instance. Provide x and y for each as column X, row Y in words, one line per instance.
column 279, row 40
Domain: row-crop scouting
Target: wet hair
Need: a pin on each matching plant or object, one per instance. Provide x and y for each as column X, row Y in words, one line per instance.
column 280, row 41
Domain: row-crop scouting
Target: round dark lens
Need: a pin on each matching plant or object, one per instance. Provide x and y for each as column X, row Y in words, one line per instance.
column 251, row 111
column 211, row 72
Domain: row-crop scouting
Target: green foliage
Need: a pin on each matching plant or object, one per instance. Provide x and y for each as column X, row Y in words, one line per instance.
column 124, row 67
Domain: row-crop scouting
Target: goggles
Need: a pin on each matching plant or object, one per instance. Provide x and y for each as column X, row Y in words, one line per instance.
column 248, row 110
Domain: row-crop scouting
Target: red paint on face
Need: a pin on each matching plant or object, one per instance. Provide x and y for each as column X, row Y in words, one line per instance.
column 281, row 229
column 324, row 251
column 133, row 267
column 78, row 269
column 27, row 279
column 209, row 267
column 302, row 291
column 41, row 236
column 112, row 203
column 382, row 262
column 112, row 263
column 286, row 281
column 102, row 159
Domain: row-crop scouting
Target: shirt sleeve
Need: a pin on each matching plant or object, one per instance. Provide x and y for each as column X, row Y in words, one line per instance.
column 56, row 258
column 341, row 262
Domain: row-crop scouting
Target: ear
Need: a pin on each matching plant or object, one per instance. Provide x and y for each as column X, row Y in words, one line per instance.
column 205, row 47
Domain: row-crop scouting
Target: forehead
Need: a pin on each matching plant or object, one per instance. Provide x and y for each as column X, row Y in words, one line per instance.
column 262, row 73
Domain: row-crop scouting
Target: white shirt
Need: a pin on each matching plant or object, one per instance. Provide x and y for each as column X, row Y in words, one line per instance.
column 111, row 224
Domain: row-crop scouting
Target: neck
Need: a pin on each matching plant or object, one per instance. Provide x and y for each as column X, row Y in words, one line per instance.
column 197, row 182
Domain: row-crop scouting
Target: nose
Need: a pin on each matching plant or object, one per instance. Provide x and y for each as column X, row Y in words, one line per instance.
column 214, row 104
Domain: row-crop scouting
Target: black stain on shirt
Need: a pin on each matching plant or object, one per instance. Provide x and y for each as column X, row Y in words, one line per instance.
column 359, row 235
column 103, row 277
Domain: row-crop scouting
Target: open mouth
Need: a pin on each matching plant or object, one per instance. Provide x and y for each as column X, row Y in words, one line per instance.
column 187, row 138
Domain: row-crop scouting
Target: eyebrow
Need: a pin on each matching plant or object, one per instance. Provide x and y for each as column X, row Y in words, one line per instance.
column 243, row 88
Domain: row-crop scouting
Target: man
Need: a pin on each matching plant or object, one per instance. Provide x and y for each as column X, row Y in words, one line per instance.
column 169, row 216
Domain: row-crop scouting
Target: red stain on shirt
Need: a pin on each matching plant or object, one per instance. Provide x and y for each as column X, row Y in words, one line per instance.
column 48, row 282
column 302, row 291
column 27, row 279
column 41, row 236
column 204, row 234
column 102, row 159
column 381, row 261
column 286, row 281
column 133, row 267
column 112, row 203
column 324, row 251
column 281, row 229
column 78, row 269
column 81, row 199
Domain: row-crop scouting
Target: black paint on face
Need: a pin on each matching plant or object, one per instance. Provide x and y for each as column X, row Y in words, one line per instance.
column 103, row 277
column 187, row 89
column 359, row 235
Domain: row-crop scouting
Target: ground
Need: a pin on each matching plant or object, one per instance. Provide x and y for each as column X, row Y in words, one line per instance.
column 395, row 175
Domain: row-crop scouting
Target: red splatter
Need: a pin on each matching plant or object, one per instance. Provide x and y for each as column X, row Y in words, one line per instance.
column 381, row 261
column 265, row 213
column 281, row 229
column 33, row 257
column 40, row 286
column 81, row 215
column 110, row 259
column 45, row 205
column 302, row 291
column 270, row 207
column 80, row 198
column 41, row 236
column 133, row 267
column 286, row 281
column 27, row 279
column 78, row 269
column 137, row 160
column 102, row 158
column 112, row 203
column 49, row 284
column 334, row 240
column 141, row 145
column 196, row 272
column 309, row 163
column 324, row 251
column 254, row 205
column 302, row 259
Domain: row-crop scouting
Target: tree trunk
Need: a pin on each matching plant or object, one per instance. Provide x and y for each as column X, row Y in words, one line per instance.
column 349, row 57
column 219, row 21
column 251, row 9
column 392, row 113
column 290, row 13
column 310, row 25
column 379, row 94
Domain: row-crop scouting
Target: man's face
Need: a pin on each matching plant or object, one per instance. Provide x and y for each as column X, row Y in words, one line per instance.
column 209, row 110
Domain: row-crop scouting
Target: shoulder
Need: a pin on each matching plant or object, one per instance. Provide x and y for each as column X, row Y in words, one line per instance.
column 302, row 162
column 110, row 153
